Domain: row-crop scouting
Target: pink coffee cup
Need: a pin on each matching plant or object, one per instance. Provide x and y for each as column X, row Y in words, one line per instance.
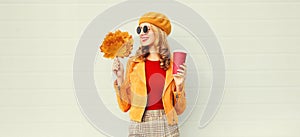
column 179, row 57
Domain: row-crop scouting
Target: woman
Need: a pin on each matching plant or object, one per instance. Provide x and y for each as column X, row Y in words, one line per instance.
column 154, row 96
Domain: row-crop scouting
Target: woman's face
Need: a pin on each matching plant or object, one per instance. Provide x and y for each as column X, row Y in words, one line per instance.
column 146, row 39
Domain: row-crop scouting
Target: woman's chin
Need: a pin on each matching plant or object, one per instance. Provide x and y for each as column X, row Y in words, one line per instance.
column 144, row 44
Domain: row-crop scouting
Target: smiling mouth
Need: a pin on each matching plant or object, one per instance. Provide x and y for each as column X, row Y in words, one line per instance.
column 144, row 39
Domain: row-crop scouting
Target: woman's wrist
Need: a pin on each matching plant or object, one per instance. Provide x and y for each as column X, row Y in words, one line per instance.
column 119, row 81
column 179, row 88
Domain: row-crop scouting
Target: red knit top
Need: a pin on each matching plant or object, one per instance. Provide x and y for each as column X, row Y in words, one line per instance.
column 155, row 78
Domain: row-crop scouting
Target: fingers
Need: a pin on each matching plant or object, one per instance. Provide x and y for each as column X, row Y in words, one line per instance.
column 116, row 65
column 183, row 66
column 182, row 69
column 177, row 75
column 181, row 72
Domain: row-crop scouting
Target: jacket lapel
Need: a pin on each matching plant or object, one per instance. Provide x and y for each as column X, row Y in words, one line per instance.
column 141, row 74
column 141, row 71
column 169, row 77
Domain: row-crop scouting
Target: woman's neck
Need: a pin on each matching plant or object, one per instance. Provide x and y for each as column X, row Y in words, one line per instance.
column 153, row 57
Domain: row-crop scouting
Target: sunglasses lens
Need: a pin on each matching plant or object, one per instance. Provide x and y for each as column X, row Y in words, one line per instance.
column 138, row 30
column 145, row 29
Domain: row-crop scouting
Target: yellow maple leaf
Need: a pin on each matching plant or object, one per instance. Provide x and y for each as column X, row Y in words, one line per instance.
column 117, row 44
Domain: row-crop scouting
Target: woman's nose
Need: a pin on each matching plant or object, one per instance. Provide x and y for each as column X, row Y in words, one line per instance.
column 142, row 34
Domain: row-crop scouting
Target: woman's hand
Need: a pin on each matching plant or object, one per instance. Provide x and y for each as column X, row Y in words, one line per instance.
column 118, row 70
column 180, row 77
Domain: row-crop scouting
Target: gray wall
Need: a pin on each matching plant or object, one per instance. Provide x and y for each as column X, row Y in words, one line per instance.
column 260, row 40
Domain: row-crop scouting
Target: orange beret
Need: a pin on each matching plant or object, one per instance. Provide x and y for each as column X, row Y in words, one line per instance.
column 157, row 19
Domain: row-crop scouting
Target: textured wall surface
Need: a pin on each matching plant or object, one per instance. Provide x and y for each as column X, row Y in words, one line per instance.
column 260, row 40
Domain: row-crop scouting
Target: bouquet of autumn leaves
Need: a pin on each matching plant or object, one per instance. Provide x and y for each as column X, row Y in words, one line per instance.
column 117, row 44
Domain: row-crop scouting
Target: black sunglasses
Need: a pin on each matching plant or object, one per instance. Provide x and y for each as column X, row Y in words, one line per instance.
column 145, row 29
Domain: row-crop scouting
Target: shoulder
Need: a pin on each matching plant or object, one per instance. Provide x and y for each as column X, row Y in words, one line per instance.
column 134, row 59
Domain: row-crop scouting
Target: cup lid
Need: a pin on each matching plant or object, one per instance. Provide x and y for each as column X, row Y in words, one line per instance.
column 180, row 50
